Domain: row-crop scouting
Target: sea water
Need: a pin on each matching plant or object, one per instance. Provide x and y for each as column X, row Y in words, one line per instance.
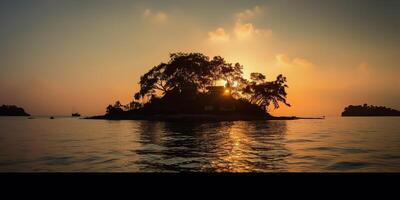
column 334, row 144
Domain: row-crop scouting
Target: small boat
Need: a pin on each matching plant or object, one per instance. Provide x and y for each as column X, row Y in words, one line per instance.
column 76, row 115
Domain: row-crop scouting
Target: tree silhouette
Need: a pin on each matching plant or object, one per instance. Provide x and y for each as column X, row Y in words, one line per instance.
column 182, row 86
column 12, row 110
column 369, row 110
column 263, row 93
column 192, row 72
column 117, row 108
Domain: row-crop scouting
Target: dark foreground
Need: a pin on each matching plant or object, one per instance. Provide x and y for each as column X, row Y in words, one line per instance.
column 194, row 118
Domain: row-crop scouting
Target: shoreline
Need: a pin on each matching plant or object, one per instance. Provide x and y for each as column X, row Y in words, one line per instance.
column 198, row 117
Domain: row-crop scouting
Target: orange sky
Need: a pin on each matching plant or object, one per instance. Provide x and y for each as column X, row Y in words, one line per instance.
column 72, row 56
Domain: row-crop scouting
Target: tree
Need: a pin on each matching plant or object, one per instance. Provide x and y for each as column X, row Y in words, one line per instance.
column 133, row 105
column 188, row 74
column 263, row 93
column 117, row 108
column 187, row 71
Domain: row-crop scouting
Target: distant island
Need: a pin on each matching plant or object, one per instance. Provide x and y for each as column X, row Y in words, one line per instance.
column 369, row 110
column 75, row 115
column 184, row 89
column 12, row 110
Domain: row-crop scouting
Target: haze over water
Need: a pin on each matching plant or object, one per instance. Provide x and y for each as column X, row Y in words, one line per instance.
column 355, row 144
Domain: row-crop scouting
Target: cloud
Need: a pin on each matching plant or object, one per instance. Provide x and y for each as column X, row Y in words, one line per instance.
column 242, row 28
column 285, row 60
column 246, row 30
column 249, row 13
column 218, row 35
column 155, row 17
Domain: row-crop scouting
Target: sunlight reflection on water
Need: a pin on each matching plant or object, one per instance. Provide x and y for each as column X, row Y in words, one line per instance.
column 67, row 144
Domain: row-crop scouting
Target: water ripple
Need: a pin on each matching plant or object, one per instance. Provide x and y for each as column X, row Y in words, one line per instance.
column 344, row 166
column 333, row 144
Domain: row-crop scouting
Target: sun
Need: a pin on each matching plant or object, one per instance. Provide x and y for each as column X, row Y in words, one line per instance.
column 227, row 91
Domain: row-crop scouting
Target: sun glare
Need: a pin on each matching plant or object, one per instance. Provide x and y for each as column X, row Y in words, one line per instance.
column 220, row 83
column 227, row 91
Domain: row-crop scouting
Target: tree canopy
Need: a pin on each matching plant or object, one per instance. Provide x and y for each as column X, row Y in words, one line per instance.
column 187, row 71
column 263, row 93
column 195, row 72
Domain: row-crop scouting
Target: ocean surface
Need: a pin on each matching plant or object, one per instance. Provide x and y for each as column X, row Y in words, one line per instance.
column 355, row 144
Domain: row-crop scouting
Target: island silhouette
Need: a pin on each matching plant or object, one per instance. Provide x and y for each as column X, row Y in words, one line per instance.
column 184, row 88
column 75, row 115
column 369, row 110
column 12, row 110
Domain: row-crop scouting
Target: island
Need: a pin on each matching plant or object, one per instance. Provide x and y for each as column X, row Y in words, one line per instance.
column 12, row 110
column 369, row 110
column 185, row 89
column 75, row 115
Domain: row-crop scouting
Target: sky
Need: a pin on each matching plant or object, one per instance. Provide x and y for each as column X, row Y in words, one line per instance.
column 63, row 56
